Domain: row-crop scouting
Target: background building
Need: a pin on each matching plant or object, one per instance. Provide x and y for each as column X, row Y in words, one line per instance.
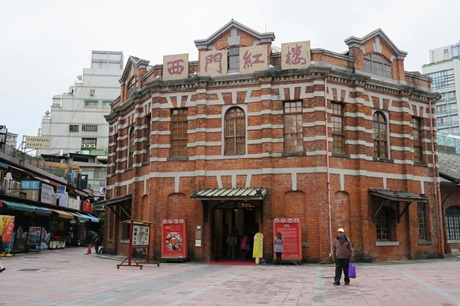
column 444, row 69
column 76, row 124
column 253, row 138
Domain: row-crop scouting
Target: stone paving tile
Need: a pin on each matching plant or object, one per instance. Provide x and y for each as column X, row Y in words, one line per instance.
column 68, row 277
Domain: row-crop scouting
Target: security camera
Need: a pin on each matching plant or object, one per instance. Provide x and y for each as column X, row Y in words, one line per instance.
column 195, row 73
column 271, row 67
column 312, row 63
column 158, row 77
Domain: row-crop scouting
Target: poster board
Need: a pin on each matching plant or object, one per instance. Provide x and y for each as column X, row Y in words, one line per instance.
column 34, row 237
column 292, row 237
column 141, row 234
column 6, row 227
column 174, row 239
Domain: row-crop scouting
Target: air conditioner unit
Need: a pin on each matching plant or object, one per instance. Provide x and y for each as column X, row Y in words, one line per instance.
column 85, row 145
column 91, row 146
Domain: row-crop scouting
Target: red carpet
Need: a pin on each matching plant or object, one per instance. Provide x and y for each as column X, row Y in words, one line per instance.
column 233, row 263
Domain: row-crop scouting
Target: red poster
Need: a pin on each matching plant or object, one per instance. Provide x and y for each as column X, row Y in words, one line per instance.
column 292, row 237
column 174, row 239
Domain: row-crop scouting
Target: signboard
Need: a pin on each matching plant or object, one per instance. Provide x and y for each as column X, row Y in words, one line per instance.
column 292, row 237
column 175, row 67
column 141, row 235
column 47, row 193
column 213, row 63
column 253, row 59
column 295, row 55
column 34, row 142
column 174, row 239
column 30, row 185
column 6, row 227
column 34, row 237
column 258, row 248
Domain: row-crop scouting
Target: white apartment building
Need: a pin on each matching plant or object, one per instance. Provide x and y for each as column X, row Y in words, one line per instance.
column 444, row 69
column 76, row 123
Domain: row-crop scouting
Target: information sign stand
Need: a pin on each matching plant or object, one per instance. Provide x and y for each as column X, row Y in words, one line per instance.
column 139, row 238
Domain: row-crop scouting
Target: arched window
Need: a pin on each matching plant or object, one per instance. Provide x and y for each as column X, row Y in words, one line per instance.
column 379, row 128
column 378, row 65
column 235, row 132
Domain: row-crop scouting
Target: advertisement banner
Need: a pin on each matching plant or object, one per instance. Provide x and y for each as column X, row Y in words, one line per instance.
column 292, row 237
column 6, row 227
column 140, row 235
column 174, row 239
column 34, row 237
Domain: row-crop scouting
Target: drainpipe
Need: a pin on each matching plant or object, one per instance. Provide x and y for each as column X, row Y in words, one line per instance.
column 439, row 209
column 328, row 180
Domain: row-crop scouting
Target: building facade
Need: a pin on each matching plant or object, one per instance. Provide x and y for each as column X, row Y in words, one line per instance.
column 444, row 69
column 253, row 138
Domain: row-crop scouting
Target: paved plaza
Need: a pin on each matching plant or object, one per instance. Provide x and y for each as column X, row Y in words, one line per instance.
column 68, row 277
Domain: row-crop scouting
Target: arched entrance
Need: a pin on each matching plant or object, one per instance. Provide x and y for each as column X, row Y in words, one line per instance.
column 239, row 217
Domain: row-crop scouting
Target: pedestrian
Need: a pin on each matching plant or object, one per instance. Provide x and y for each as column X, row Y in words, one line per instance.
column 278, row 248
column 342, row 253
column 232, row 241
column 2, row 252
column 97, row 243
column 244, row 246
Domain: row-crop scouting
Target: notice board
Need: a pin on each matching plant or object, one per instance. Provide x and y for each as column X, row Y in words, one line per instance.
column 174, row 239
column 292, row 237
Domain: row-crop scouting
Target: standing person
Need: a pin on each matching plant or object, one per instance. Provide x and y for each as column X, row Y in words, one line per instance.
column 278, row 248
column 97, row 243
column 232, row 241
column 2, row 251
column 342, row 253
column 244, row 246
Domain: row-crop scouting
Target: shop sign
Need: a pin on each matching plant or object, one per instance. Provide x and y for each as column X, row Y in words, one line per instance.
column 292, row 237
column 30, row 185
column 257, row 251
column 174, row 239
column 47, row 193
column 34, row 142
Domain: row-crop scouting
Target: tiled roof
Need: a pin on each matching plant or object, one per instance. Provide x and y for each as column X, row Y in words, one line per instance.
column 449, row 167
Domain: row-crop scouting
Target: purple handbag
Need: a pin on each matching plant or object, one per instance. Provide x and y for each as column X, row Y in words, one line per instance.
column 351, row 270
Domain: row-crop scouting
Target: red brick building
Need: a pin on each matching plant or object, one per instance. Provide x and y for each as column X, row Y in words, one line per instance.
column 252, row 135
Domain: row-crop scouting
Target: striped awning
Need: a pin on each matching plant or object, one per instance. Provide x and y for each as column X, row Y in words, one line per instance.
column 63, row 214
column 229, row 194
column 27, row 207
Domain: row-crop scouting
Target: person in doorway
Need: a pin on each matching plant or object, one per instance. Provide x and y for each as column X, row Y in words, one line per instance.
column 278, row 248
column 244, row 246
column 232, row 241
column 342, row 253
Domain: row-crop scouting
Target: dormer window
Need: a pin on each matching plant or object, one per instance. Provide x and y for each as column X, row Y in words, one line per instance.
column 378, row 65
column 233, row 59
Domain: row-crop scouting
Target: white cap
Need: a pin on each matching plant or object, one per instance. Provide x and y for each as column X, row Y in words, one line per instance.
column 341, row 230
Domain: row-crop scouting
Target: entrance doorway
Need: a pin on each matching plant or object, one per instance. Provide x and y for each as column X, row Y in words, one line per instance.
column 238, row 217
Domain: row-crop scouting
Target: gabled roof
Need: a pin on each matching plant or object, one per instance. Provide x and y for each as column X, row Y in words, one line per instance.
column 449, row 167
column 262, row 37
column 352, row 40
column 132, row 60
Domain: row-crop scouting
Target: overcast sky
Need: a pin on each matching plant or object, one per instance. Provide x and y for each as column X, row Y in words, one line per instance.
column 45, row 44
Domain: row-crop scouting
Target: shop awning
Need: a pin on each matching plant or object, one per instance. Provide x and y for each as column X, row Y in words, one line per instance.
column 398, row 196
column 18, row 206
column 91, row 217
column 63, row 214
column 42, row 210
column 229, row 194
column 80, row 218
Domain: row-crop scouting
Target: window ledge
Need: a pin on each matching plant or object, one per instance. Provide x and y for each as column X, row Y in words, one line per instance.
column 294, row 154
column 177, row 158
column 425, row 242
column 340, row 155
column 453, row 241
column 124, row 241
column 383, row 160
column 386, row 243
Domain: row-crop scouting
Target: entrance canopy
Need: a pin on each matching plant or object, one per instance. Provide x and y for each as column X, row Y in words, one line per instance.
column 397, row 196
column 229, row 194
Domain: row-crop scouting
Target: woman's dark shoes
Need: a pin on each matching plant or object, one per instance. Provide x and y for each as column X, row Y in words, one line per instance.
column 336, row 283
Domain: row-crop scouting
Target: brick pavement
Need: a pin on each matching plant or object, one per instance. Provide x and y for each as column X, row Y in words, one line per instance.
column 68, row 277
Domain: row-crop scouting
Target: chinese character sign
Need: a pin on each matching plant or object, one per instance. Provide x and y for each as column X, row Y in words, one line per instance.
column 295, row 55
column 257, row 251
column 253, row 59
column 175, row 67
column 6, row 227
column 213, row 63
column 174, row 239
